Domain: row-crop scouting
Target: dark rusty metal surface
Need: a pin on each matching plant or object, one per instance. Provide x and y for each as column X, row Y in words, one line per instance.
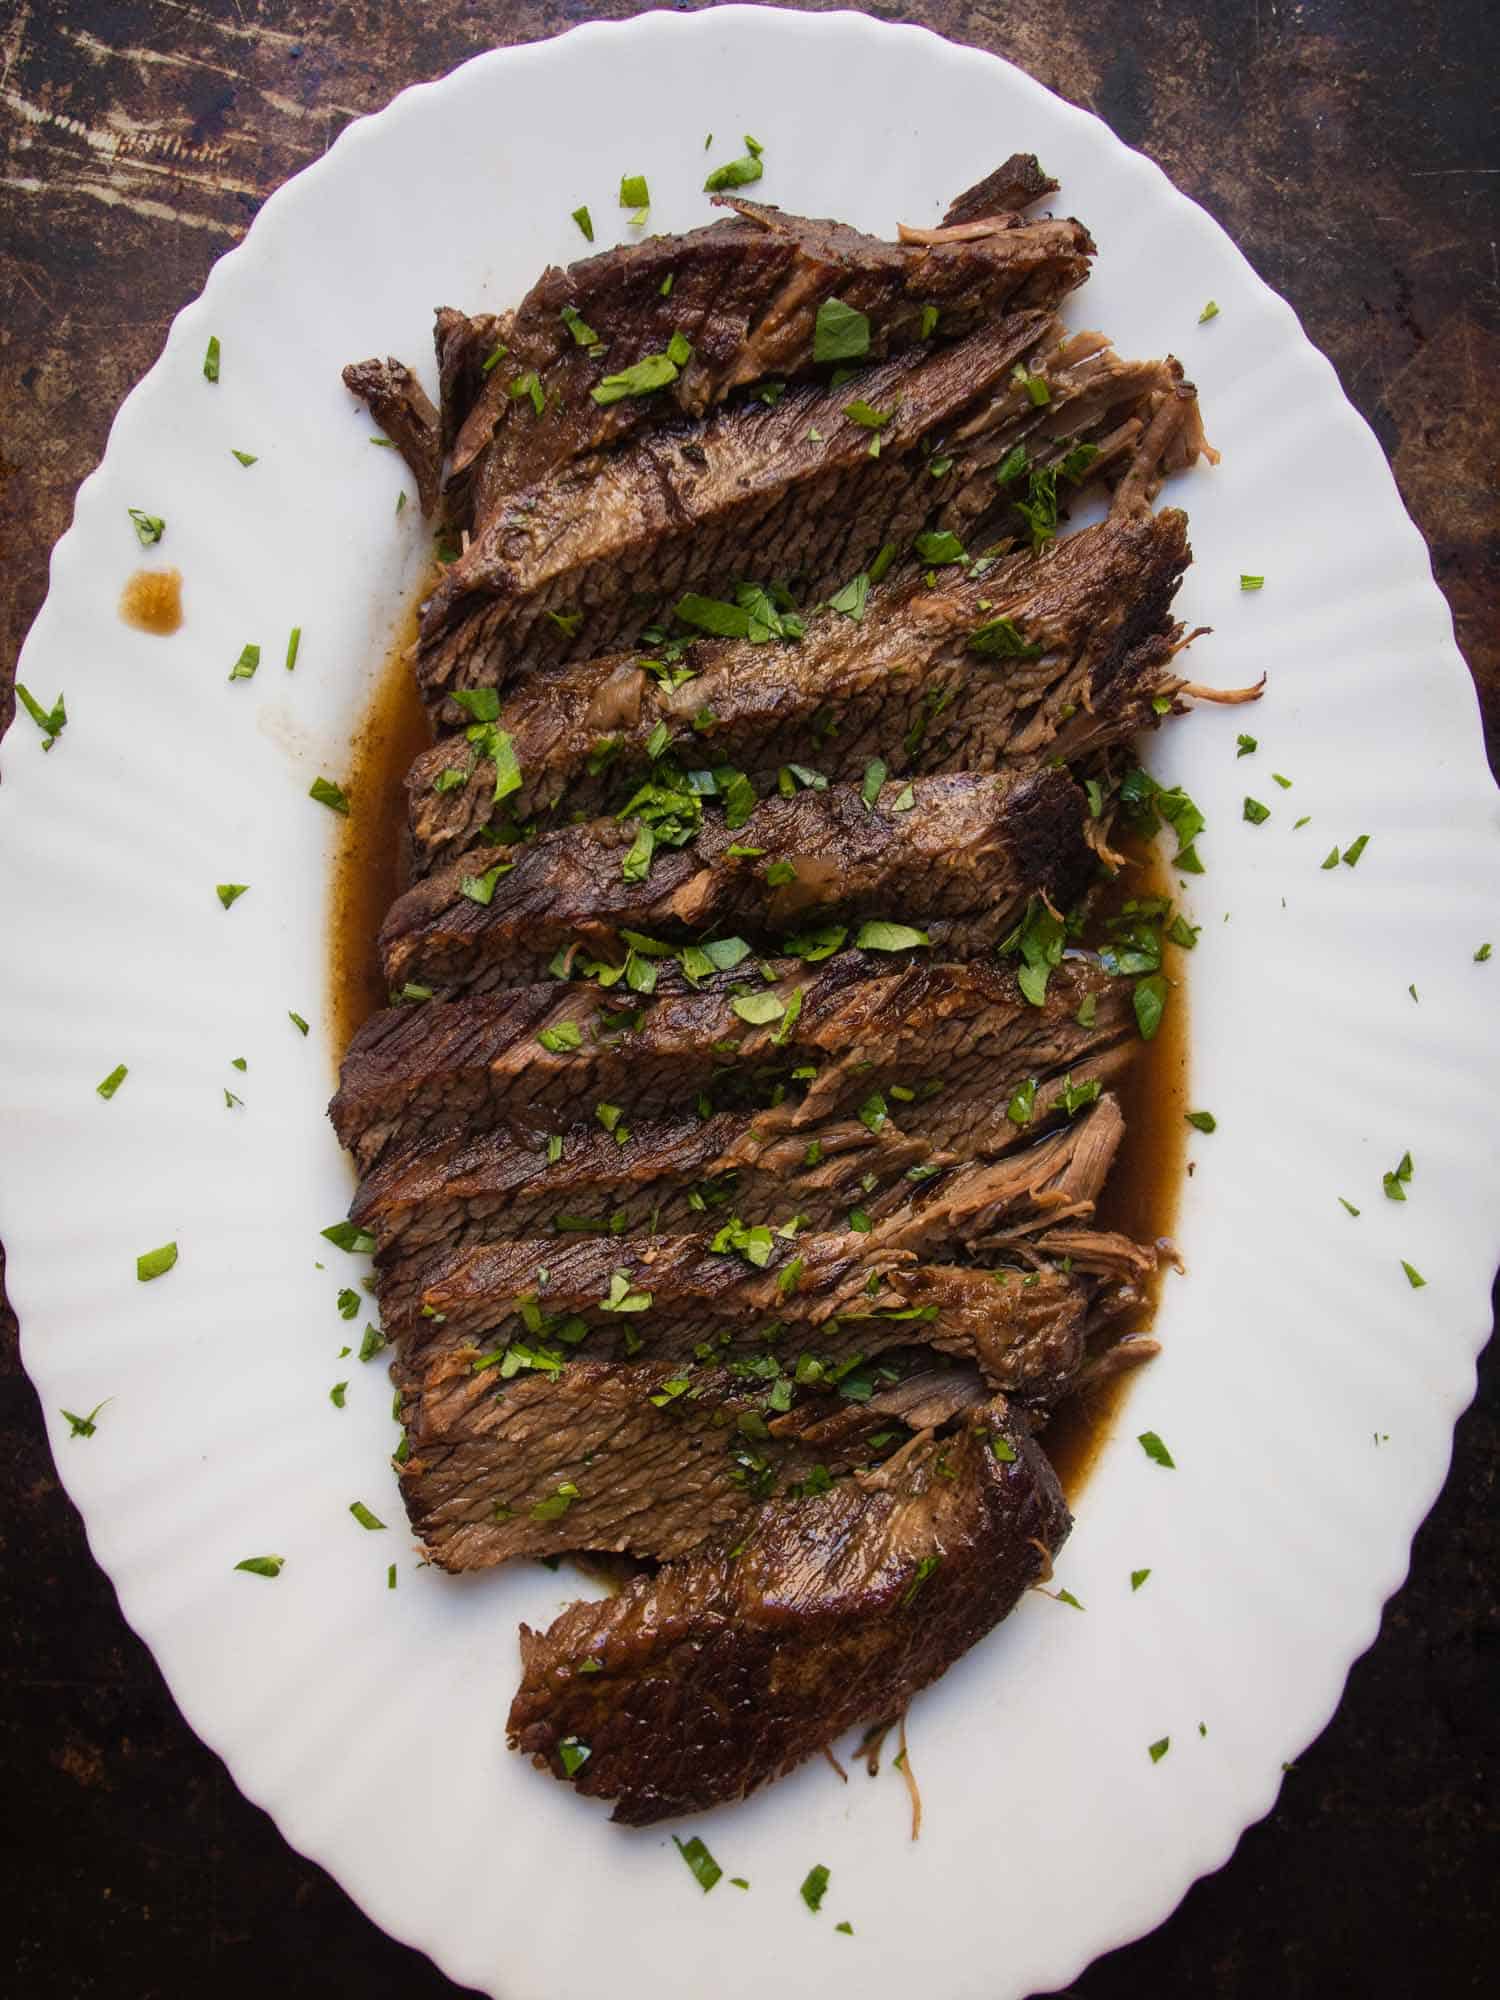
column 1351, row 151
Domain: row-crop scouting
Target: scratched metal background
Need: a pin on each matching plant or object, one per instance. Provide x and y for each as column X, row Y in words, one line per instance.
column 1351, row 149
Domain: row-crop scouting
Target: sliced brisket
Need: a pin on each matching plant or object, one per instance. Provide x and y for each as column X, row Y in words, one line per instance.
column 1045, row 655
column 1041, row 1187
column 967, row 851
column 693, row 1686
column 641, row 1457
column 577, row 561
column 743, row 295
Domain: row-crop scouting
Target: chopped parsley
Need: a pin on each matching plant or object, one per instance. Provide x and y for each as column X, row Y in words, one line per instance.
column 586, row 223
column 1394, row 1182
column 1413, row 1277
column 840, row 333
column 939, row 547
column 1023, row 1102
column 336, row 1394
column 51, row 721
column 1349, row 1205
column 1159, row 1749
column 852, row 598
column 1151, row 1005
column 557, row 1504
column 481, row 888
column 705, row 1869
column 149, row 528
column 348, row 1303
column 557, row 1041
column 578, row 326
column 1252, row 582
column 327, row 793
column 262, row 1565
column 1482, row 954
column 1001, row 639
column 245, row 666
column 1248, row 745
column 113, row 1081
column 1037, row 392
column 573, row 1755
column 651, row 372
column 363, row 1515
column 1210, row 311
column 815, row 1887
column 1351, row 854
column 1003, row 1449
column 1203, row 1121
column 155, row 1263
column 622, row 1298
column 735, row 173
column 244, row 457
column 1067, row 1597
column 371, row 1343
column 211, row 359
column 84, row 1427
column 347, row 1236
column 229, row 893
column 1255, row 812
column 1156, row 1451
column 1138, row 1577
column 877, row 935
column 297, row 1021
column 924, row 1570
column 634, row 192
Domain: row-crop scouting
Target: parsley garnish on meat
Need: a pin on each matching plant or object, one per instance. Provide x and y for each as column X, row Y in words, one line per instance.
column 878, row 935
column 840, row 333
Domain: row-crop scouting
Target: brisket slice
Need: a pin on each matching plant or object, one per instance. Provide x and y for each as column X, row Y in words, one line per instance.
column 1053, row 1182
column 967, row 853
column 402, row 408
column 633, row 1456
column 909, row 684
column 744, row 294
column 574, row 563
column 1016, row 183
column 415, row 1074
column 464, row 344
column 670, row 1175
column 726, row 1670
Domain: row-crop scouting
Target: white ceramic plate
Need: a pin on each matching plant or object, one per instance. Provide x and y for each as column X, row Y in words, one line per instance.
column 1307, row 1391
